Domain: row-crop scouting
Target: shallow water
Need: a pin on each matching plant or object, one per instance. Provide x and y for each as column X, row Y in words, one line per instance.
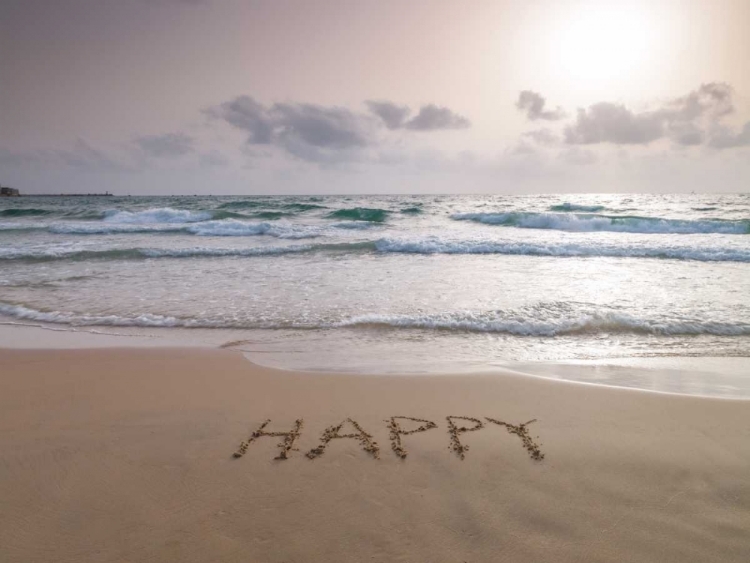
column 400, row 282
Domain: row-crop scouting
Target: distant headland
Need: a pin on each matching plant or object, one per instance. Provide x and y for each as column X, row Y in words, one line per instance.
column 8, row 192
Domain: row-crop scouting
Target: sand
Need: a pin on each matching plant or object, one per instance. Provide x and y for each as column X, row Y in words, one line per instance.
column 165, row 455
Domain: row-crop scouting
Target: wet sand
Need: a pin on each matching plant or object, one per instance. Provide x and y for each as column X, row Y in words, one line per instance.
column 165, row 455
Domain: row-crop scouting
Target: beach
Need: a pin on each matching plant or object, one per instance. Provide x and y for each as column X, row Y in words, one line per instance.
column 147, row 454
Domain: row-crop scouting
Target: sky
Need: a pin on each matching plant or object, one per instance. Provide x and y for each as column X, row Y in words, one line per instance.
column 150, row 97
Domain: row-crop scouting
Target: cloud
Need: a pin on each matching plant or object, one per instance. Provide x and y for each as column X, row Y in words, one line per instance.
column 169, row 145
column 81, row 156
column 533, row 104
column 614, row 123
column 714, row 99
column 684, row 120
column 393, row 115
column 725, row 139
column 324, row 127
column 432, row 117
column 327, row 134
column 245, row 113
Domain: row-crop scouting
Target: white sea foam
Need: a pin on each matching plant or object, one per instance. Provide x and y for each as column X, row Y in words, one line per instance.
column 589, row 223
column 354, row 225
column 198, row 251
column 16, row 226
column 110, row 229
column 235, row 228
column 114, row 253
column 540, row 321
column 158, row 215
column 436, row 245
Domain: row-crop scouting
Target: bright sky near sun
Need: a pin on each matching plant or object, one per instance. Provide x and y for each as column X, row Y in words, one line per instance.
column 262, row 96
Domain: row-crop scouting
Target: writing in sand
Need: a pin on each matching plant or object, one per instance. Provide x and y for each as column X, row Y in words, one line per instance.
column 457, row 425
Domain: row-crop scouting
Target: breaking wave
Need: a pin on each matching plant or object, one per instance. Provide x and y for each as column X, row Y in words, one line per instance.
column 545, row 320
column 270, row 204
column 589, row 223
column 48, row 254
column 23, row 212
column 234, row 228
column 553, row 321
column 429, row 245
column 360, row 214
column 160, row 215
column 435, row 245
column 415, row 210
column 577, row 207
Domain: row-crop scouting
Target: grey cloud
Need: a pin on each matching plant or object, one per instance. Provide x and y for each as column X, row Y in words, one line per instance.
column 245, row 113
column 682, row 119
column 725, row 139
column 686, row 134
column 81, row 156
column 533, row 104
column 307, row 131
column 84, row 156
column 614, row 123
column 432, row 117
column 333, row 128
column 326, row 134
column 393, row 115
column 166, row 146
column 714, row 98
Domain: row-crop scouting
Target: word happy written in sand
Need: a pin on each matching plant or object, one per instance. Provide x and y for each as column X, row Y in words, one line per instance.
column 457, row 425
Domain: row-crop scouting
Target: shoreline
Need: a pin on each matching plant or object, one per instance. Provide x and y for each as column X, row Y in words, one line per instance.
column 127, row 454
column 725, row 377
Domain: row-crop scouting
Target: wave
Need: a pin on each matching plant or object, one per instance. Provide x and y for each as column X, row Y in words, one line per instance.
column 158, row 215
column 543, row 320
column 24, row 212
column 110, row 229
column 20, row 227
column 416, row 210
column 435, row 245
column 245, row 204
column 429, row 245
column 270, row 204
column 224, row 227
column 576, row 207
column 547, row 321
column 233, row 228
column 270, row 215
column 353, row 225
column 302, row 207
column 374, row 215
column 77, row 254
column 624, row 224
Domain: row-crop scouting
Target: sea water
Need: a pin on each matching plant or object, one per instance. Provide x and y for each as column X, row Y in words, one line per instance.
column 390, row 283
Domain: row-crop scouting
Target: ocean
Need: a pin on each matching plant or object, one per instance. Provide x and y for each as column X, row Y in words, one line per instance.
column 390, row 283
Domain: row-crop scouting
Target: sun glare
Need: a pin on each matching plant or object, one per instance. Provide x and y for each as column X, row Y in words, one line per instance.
column 604, row 44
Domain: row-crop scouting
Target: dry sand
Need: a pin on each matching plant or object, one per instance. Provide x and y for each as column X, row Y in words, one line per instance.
column 127, row 455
